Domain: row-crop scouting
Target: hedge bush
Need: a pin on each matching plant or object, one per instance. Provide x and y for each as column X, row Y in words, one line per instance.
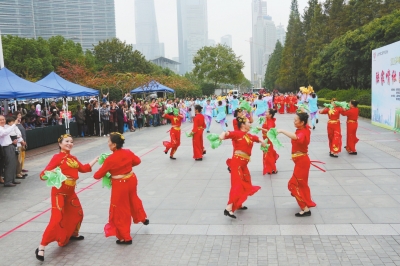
column 363, row 96
column 364, row 110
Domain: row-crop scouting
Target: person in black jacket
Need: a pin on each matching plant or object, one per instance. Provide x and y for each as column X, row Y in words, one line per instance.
column 89, row 120
column 96, row 118
column 120, row 118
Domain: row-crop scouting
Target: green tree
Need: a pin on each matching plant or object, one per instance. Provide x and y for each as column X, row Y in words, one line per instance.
column 274, row 64
column 218, row 64
column 64, row 50
column 316, row 38
column 28, row 58
column 118, row 56
column 292, row 71
column 346, row 62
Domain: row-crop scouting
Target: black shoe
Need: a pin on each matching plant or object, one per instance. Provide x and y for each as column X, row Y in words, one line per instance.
column 10, row 185
column 204, row 152
column 16, row 182
column 226, row 124
column 226, row 213
column 353, row 153
column 243, row 208
column 124, row 242
column 333, row 155
column 146, row 222
column 345, row 147
column 20, row 177
column 313, row 127
column 317, row 120
column 275, row 172
column 303, row 215
column 76, row 238
column 229, row 169
column 172, row 158
column 41, row 258
column 208, row 131
column 199, row 159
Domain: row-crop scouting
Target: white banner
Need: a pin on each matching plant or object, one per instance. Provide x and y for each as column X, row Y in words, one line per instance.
column 386, row 86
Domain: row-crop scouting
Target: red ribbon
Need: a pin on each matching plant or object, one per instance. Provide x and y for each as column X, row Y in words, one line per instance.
column 323, row 170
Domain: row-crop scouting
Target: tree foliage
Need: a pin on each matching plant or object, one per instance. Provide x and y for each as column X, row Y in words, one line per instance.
column 218, row 64
column 117, row 56
column 111, row 67
column 346, row 62
column 291, row 72
column 330, row 45
column 274, row 64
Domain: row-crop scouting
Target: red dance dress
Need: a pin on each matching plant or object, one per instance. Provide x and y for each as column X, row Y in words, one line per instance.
column 241, row 186
column 293, row 107
column 288, row 103
column 270, row 157
column 199, row 125
column 125, row 204
column 281, row 104
column 334, row 131
column 175, row 134
column 352, row 125
column 298, row 184
column 66, row 210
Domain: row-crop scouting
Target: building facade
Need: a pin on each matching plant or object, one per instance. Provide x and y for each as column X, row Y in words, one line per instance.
column 227, row 40
column 263, row 41
column 192, row 31
column 146, row 30
column 83, row 21
column 167, row 63
column 281, row 34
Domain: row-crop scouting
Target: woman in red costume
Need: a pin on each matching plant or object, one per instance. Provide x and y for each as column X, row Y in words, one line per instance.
column 352, row 125
column 270, row 157
column 66, row 213
column 199, row 125
column 281, row 104
column 334, row 131
column 293, row 107
column 298, row 184
column 125, row 205
column 175, row 132
column 241, row 186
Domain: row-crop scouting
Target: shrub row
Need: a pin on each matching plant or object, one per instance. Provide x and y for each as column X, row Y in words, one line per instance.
column 362, row 96
column 364, row 110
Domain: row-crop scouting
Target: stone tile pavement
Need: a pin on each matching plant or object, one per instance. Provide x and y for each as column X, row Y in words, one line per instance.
column 356, row 221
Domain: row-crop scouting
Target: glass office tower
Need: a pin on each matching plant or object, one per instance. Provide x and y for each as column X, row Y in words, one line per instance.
column 83, row 21
column 192, row 31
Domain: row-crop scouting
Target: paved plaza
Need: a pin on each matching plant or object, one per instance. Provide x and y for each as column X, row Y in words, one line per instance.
column 356, row 221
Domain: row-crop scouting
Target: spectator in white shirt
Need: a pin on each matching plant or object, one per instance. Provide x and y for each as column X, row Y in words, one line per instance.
column 9, row 157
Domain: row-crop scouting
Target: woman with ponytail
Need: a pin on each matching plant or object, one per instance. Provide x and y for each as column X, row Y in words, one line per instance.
column 298, row 184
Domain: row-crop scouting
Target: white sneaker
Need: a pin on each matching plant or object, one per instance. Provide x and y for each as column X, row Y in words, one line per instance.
column 104, row 135
column 108, row 135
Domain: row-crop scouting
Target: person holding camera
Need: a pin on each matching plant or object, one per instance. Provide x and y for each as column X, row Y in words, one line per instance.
column 22, row 146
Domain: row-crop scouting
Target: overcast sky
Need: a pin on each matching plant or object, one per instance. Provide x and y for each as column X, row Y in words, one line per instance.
column 224, row 17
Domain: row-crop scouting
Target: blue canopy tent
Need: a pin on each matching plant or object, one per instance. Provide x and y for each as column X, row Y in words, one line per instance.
column 153, row 86
column 66, row 89
column 13, row 87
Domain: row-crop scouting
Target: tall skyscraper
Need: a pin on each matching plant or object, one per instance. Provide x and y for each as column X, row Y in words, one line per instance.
column 257, row 44
column 227, row 40
column 83, row 21
column 281, row 34
column 192, row 31
column 146, row 30
column 263, row 41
